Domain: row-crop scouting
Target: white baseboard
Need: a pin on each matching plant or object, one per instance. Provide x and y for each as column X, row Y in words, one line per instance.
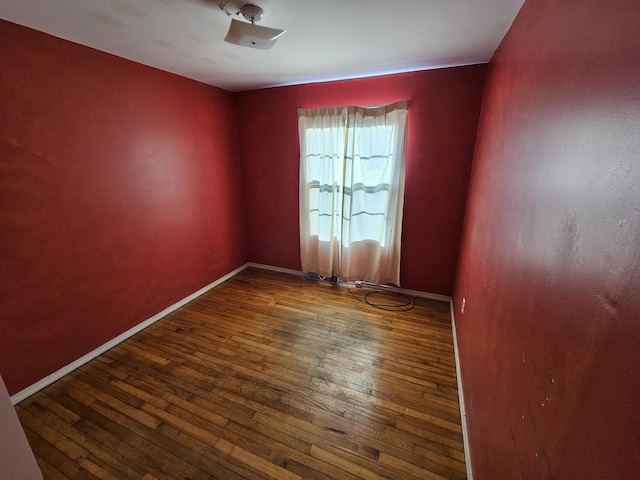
column 463, row 414
column 275, row 269
column 49, row 379
column 415, row 293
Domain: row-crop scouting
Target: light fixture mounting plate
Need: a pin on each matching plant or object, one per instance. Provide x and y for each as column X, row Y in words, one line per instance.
column 251, row 12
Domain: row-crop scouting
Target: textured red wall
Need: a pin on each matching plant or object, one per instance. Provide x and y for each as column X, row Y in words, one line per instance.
column 550, row 262
column 443, row 116
column 115, row 179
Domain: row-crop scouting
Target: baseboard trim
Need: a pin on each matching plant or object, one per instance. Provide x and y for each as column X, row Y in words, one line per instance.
column 275, row 269
column 415, row 293
column 463, row 414
column 49, row 379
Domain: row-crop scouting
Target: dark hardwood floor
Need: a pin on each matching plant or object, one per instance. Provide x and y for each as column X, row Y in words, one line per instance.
column 266, row 376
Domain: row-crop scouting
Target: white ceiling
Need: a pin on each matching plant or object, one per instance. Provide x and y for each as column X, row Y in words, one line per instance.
column 325, row 39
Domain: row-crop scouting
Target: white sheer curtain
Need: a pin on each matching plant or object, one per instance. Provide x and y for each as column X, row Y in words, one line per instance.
column 352, row 168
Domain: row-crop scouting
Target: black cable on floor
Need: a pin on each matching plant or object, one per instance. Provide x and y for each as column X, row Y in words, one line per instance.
column 407, row 304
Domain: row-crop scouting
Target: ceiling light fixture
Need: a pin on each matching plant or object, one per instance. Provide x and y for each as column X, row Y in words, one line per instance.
column 249, row 34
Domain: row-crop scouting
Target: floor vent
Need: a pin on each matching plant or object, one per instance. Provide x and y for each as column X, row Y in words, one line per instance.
column 315, row 276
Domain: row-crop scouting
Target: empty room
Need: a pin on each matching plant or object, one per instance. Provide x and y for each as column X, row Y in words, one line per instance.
column 344, row 239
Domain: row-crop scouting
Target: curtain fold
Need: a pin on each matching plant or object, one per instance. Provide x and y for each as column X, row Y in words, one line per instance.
column 352, row 168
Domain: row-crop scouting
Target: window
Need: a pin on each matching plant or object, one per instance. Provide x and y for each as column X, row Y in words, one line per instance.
column 351, row 191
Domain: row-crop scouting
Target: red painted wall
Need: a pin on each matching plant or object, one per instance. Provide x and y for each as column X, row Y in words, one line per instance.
column 443, row 116
column 115, row 179
column 550, row 262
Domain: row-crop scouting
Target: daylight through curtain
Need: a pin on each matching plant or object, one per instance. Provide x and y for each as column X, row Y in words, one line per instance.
column 352, row 167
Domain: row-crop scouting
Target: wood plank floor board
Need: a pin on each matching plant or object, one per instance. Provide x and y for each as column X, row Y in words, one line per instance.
column 266, row 376
column 42, row 443
column 183, row 393
column 282, row 354
column 105, row 462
